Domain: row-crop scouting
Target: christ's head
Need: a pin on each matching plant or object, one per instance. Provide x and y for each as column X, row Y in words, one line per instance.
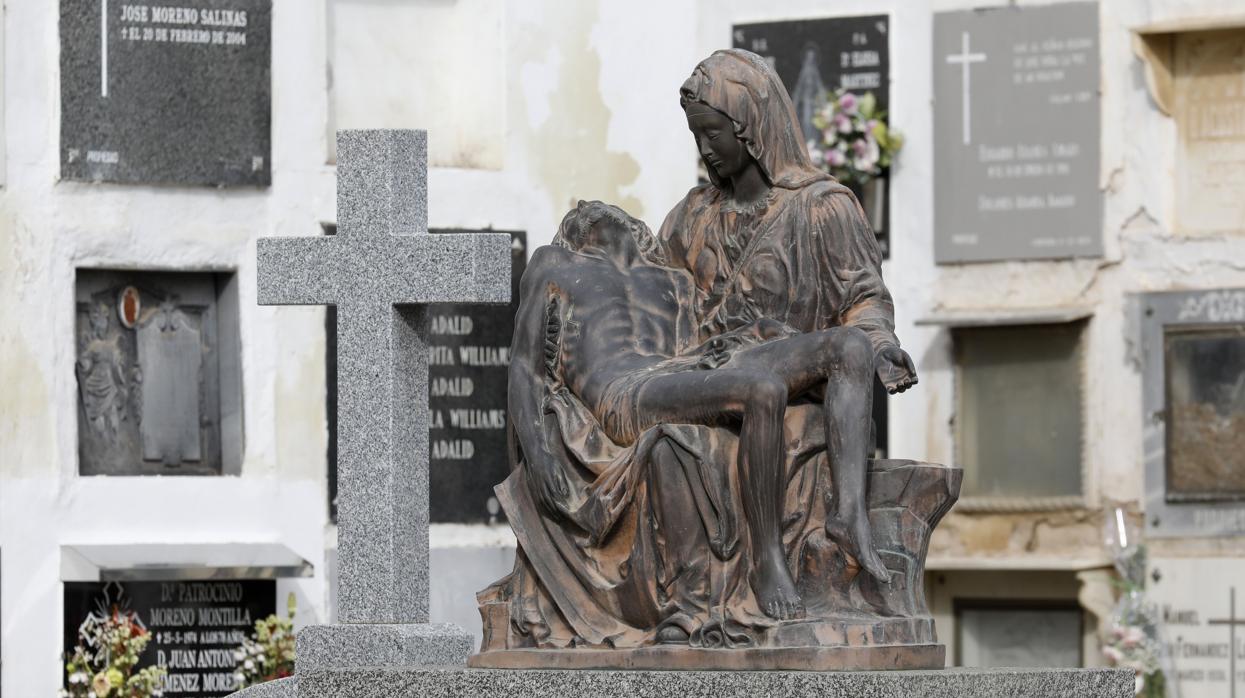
column 593, row 226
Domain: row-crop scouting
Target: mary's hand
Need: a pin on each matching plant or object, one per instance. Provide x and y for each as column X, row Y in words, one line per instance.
column 896, row 369
column 548, row 485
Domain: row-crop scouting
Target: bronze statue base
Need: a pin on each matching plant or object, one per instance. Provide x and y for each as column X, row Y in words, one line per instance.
column 840, row 644
column 877, row 657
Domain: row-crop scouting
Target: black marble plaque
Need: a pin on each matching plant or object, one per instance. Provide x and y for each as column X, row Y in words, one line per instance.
column 852, row 53
column 195, row 625
column 159, row 93
column 469, row 359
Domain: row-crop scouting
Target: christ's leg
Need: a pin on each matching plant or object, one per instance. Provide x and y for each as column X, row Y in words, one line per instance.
column 760, row 399
column 843, row 356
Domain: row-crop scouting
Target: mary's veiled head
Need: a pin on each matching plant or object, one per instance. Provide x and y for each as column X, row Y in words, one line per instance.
column 741, row 85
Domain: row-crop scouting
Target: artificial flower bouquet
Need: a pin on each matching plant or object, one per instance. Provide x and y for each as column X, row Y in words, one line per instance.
column 856, row 145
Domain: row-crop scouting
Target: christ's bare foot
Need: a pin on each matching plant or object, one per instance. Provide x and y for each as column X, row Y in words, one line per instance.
column 775, row 589
column 848, row 535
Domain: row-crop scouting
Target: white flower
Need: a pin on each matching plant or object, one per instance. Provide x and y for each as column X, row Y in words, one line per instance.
column 1112, row 654
column 249, row 665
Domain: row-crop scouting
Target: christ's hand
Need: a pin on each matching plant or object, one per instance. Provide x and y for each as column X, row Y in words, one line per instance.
column 895, row 368
column 548, row 483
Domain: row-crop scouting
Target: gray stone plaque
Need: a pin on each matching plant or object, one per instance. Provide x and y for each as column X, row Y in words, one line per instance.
column 166, row 93
column 1016, row 133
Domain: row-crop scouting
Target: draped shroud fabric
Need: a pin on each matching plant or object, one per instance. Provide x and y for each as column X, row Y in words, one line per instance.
column 655, row 534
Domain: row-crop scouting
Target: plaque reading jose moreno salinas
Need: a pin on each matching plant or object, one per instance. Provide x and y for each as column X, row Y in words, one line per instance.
column 156, row 93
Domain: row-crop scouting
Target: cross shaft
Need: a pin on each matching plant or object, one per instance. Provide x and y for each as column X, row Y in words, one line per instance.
column 381, row 270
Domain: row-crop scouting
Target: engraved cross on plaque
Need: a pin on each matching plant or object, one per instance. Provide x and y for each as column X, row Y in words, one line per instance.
column 966, row 59
column 1232, row 622
column 381, row 270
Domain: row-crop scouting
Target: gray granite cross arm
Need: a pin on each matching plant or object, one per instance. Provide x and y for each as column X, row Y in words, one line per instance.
column 381, row 269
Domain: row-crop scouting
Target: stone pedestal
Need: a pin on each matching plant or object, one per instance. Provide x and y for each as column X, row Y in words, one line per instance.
column 501, row 683
column 352, row 646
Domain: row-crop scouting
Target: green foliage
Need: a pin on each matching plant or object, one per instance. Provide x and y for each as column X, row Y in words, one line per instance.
column 269, row 653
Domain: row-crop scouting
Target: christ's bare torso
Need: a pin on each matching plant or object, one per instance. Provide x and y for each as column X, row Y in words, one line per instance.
column 616, row 320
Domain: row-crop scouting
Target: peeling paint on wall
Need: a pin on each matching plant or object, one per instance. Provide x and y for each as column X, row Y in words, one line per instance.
column 568, row 138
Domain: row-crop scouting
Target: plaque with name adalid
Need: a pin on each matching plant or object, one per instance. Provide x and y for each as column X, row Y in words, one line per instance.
column 468, row 365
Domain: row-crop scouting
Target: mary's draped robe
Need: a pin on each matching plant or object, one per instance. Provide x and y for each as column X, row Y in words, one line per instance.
column 655, row 534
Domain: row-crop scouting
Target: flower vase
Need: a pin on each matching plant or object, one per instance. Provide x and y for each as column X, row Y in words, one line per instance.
column 873, row 200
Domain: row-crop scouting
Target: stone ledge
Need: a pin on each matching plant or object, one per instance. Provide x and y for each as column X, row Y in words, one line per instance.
column 495, row 683
column 351, row 646
column 807, row 658
column 281, row 688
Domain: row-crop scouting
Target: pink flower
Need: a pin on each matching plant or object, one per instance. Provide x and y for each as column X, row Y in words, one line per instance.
column 1112, row 654
column 848, row 103
column 842, row 123
column 1133, row 636
column 836, row 158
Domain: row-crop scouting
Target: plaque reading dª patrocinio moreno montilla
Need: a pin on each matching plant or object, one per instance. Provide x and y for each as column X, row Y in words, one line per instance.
column 1016, row 133
column 166, row 93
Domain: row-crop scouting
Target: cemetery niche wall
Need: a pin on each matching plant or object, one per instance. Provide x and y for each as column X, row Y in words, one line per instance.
column 1208, row 69
column 166, row 94
column 1020, row 415
column 1016, row 133
column 158, row 373
column 1193, row 345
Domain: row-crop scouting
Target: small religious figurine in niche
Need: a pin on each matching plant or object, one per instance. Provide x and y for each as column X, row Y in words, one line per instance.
column 102, row 381
column 691, row 418
column 148, row 373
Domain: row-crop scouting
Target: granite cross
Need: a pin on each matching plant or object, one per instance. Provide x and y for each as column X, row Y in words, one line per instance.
column 381, row 270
